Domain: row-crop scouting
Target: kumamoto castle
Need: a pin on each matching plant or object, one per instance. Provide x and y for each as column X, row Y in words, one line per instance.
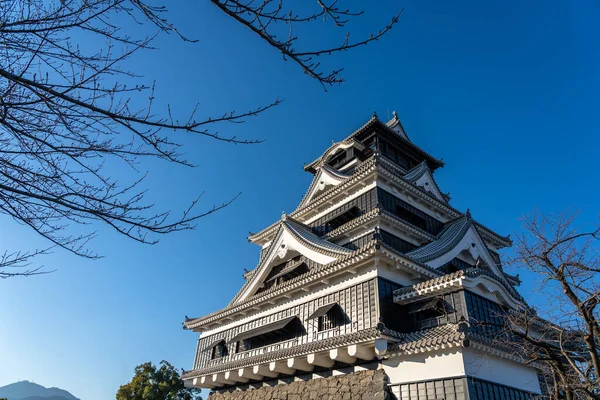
column 375, row 287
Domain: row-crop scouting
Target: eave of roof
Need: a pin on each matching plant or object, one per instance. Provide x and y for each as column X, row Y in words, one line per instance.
column 325, row 169
column 380, row 164
column 448, row 281
column 375, row 122
column 449, row 237
column 370, row 249
column 299, row 281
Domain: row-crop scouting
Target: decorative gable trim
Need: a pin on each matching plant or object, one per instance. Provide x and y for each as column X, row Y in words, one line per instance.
column 422, row 177
column 478, row 280
column 456, row 237
column 291, row 236
column 395, row 125
column 326, row 177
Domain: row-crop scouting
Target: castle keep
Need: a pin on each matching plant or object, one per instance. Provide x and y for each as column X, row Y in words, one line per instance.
column 373, row 271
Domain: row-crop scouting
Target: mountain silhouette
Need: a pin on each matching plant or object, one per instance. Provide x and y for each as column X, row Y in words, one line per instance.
column 25, row 390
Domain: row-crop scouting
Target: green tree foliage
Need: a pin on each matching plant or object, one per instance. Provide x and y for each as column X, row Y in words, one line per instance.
column 151, row 383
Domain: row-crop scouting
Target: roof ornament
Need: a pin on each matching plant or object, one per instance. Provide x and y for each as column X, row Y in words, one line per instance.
column 468, row 214
column 375, row 115
column 283, row 216
column 395, row 115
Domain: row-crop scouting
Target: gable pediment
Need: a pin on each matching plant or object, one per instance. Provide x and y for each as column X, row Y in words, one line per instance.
column 325, row 178
column 458, row 238
column 292, row 239
column 422, row 177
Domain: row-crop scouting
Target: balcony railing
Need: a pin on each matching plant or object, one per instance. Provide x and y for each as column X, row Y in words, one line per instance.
column 255, row 352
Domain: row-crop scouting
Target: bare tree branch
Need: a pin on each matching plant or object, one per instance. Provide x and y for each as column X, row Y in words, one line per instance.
column 70, row 112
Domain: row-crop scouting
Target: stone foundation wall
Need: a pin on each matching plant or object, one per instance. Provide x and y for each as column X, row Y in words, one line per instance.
column 363, row 385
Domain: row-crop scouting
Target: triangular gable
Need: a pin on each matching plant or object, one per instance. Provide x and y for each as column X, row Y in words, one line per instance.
column 324, row 178
column 455, row 238
column 422, row 177
column 291, row 237
column 395, row 125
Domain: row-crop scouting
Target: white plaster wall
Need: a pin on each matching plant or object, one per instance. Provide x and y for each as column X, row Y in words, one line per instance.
column 335, row 285
column 425, row 366
column 500, row 370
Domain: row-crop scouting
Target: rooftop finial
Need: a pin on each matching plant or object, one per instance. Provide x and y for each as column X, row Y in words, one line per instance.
column 283, row 216
column 375, row 115
column 468, row 213
column 395, row 115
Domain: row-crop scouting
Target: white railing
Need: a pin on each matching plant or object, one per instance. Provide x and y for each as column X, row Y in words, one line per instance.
column 255, row 352
column 326, row 334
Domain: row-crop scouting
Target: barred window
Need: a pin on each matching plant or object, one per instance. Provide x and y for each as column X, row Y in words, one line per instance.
column 326, row 322
column 219, row 351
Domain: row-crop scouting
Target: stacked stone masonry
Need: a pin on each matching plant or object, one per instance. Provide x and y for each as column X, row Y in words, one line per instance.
column 363, row 385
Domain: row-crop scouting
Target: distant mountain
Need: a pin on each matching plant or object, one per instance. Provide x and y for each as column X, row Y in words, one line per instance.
column 25, row 390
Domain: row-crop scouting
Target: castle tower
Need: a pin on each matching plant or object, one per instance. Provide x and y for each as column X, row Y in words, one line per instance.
column 373, row 270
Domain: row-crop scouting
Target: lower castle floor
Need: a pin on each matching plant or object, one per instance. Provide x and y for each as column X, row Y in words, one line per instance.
column 371, row 382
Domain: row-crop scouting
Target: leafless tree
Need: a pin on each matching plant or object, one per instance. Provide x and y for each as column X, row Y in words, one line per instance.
column 68, row 109
column 564, row 339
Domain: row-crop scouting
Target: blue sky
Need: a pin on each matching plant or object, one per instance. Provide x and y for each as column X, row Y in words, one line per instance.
column 506, row 92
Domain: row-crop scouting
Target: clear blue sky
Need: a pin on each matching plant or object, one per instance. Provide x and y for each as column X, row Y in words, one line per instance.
column 506, row 92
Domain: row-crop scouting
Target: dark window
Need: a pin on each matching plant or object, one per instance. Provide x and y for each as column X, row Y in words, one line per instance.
column 392, row 315
column 428, row 312
column 291, row 331
column 338, row 160
column 333, row 318
column 326, row 322
column 219, row 351
column 363, row 203
column 411, row 217
column 410, row 214
column 341, row 219
column 397, row 243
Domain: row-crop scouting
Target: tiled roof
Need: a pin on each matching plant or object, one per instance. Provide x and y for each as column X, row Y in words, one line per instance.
column 396, row 124
column 430, row 286
column 305, row 234
column 429, row 339
column 314, row 274
column 325, row 169
column 417, row 172
column 381, row 165
column 389, row 170
column 449, row 335
column 363, row 170
column 446, row 240
column 371, row 215
column 375, row 122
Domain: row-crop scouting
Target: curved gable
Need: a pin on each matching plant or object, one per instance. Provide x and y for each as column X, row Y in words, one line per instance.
column 292, row 237
column 326, row 177
column 422, row 177
column 457, row 237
